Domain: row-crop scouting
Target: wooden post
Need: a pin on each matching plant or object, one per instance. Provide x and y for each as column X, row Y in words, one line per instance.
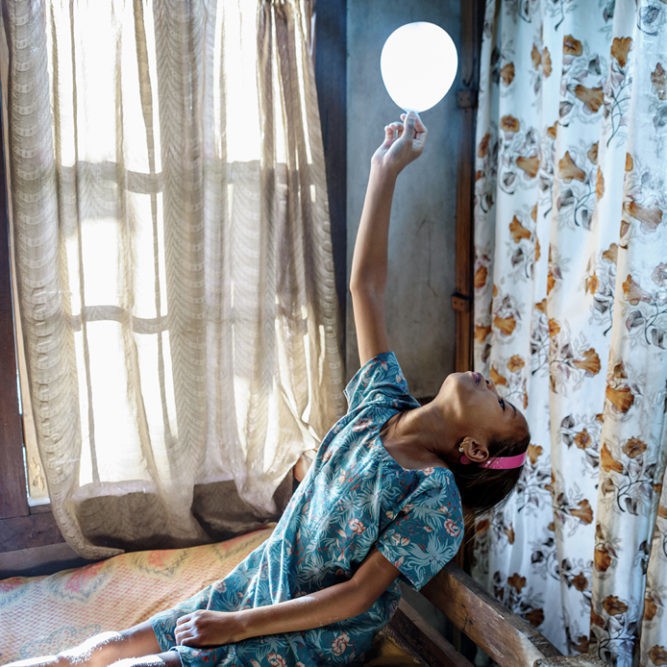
column 462, row 298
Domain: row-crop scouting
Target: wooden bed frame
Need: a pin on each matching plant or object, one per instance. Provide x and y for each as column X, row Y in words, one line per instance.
column 478, row 620
column 443, row 625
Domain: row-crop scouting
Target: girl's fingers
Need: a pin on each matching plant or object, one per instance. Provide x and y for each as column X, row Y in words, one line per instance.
column 182, row 637
column 410, row 130
column 181, row 631
column 413, row 120
column 392, row 131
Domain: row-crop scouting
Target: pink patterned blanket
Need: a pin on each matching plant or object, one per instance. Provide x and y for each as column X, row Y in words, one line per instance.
column 43, row 615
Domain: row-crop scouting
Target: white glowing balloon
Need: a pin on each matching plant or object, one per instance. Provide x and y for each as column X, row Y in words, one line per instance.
column 418, row 65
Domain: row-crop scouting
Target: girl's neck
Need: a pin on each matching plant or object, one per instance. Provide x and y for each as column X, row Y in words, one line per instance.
column 417, row 438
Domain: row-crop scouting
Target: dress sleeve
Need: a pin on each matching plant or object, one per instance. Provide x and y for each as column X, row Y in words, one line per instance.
column 380, row 379
column 426, row 533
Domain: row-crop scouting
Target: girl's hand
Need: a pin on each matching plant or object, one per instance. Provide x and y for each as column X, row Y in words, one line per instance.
column 403, row 143
column 205, row 627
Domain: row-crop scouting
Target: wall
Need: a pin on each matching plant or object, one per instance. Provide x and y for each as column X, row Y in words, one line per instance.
column 419, row 316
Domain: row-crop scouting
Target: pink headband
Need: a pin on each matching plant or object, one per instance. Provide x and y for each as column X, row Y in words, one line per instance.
column 499, row 462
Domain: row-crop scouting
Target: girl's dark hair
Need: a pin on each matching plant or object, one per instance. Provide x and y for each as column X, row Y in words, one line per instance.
column 482, row 488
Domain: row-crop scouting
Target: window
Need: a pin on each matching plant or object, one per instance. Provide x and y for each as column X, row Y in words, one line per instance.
column 23, row 526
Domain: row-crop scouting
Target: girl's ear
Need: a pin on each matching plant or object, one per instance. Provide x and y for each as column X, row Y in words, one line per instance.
column 476, row 451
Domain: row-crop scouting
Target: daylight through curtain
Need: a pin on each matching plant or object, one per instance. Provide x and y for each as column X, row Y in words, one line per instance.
column 571, row 315
column 173, row 261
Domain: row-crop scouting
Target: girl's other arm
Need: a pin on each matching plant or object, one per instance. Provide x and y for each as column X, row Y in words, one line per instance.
column 403, row 143
column 329, row 605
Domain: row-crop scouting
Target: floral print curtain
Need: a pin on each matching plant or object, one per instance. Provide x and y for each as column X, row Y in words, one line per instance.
column 571, row 315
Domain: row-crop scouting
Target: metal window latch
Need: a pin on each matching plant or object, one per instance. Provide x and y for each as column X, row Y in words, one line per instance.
column 466, row 98
column 461, row 302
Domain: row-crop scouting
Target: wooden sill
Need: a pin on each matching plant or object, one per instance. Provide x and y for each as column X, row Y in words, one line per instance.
column 37, row 529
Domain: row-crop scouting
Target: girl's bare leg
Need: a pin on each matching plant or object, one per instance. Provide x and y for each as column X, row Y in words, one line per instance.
column 108, row 648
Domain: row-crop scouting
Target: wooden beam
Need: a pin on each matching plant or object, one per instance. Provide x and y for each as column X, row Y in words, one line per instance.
column 418, row 633
column 462, row 298
column 39, row 561
column 505, row 637
column 26, row 532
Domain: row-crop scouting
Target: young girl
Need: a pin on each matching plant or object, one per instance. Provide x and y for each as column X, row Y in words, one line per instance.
column 382, row 501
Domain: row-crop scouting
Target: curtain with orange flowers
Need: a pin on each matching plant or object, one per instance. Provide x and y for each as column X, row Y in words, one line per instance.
column 571, row 315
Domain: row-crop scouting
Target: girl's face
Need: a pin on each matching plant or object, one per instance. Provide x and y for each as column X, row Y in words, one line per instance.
column 473, row 408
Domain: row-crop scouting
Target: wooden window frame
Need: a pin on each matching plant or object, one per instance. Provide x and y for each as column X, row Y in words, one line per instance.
column 21, row 526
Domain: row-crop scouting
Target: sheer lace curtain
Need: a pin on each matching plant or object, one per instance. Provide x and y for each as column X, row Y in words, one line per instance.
column 173, row 263
column 571, row 315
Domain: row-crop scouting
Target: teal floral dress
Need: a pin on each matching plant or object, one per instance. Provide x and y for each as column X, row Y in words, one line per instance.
column 355, row 497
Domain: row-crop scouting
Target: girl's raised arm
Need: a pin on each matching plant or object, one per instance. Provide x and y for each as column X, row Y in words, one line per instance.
column 403, row 143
